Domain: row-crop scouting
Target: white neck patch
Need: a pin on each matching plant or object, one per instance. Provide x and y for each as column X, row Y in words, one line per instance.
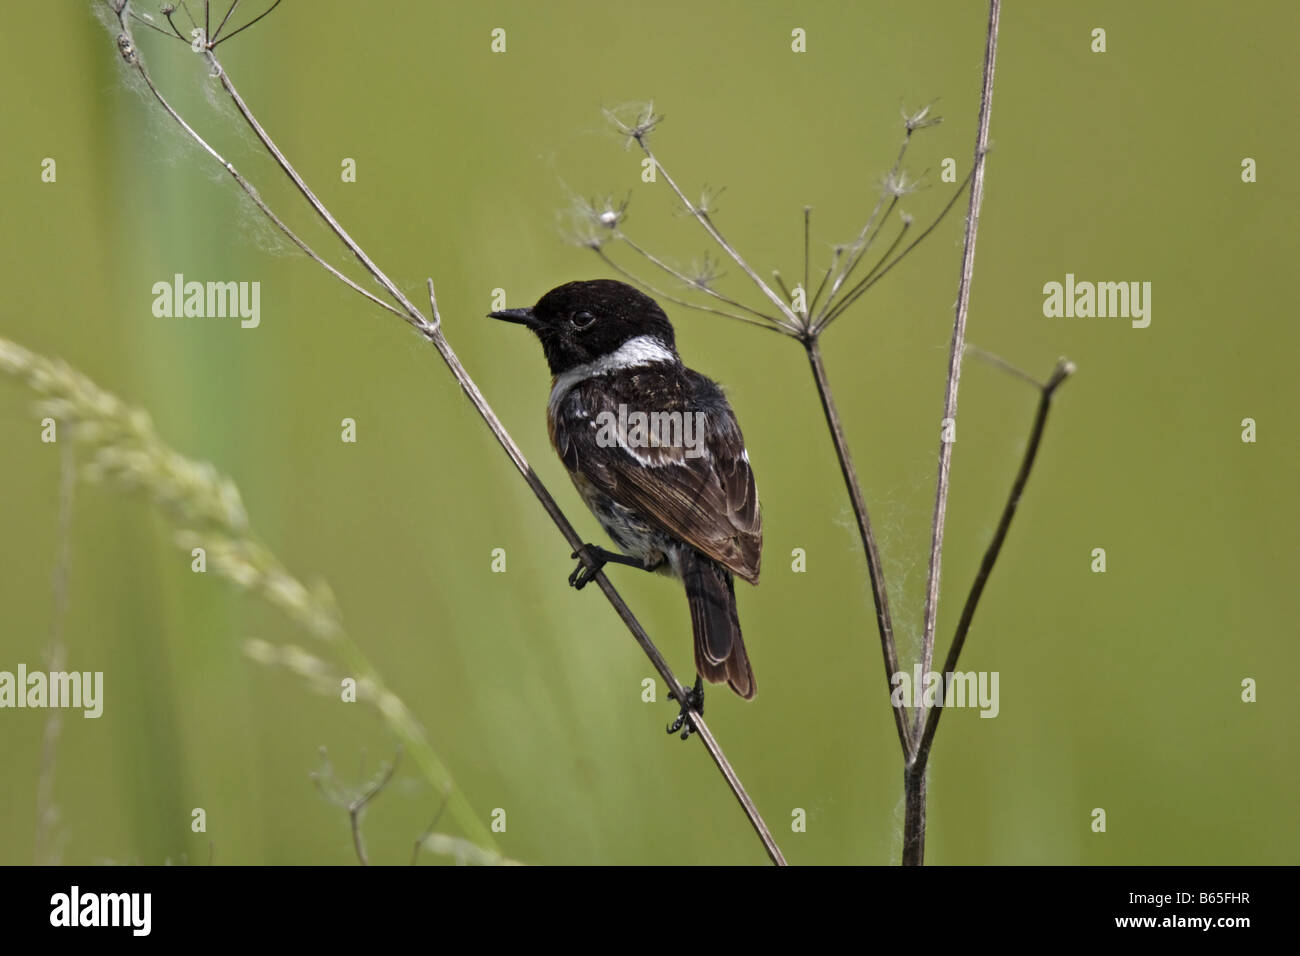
column 634, row 353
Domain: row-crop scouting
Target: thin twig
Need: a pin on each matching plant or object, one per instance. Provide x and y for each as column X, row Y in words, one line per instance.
column 997, row 361
column 231, row 36
column 153, row 26
column 131, row 55
column 780, row 284
column 791, row 321
column 1064, row 370
column 958, row 345
column 880, row 271
column 821, row 286
column 355, row 802
column 413, row 315
column 879, row 593
column 687, row 281
column 676, row 300
column 175, row 29
column 360, row 803
column 428, row 831
column 915, row 772
column 858, row 248
column 914, row 777
column 807, row 238
column 857, row 252
column 222, row 25
column 874, row 273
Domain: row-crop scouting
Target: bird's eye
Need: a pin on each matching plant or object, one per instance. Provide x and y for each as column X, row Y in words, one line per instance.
column 581, row 320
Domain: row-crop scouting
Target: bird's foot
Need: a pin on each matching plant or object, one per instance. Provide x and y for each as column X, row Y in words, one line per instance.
column 584, row 573
column 694, row 701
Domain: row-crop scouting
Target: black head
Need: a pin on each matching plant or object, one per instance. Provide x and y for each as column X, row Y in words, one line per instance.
column 579, row 322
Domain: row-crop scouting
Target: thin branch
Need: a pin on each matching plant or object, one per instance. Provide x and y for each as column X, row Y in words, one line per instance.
column 867, row 281
column 175, row 29
column 821, row 286
column 1064, row 369
column 687, row 281
column 216, row 43
column 791, row 320
column 959, row 342
column 174, row 35
column 879, row 593
column 998, row 361
column 873, row 274
column 428, row 832
column 189, row 16
column 780, row 284
column 222, row 25
column 859, row 245
column 360, row 803
column 413, row 315
column 857, row 251
column 131, row 55
column 676, row 300
column 914, row 777
column 354, row 801
column 433, row 333
column 807, row 238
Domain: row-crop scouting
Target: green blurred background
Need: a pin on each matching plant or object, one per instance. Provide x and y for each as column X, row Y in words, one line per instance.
column 1119, row 690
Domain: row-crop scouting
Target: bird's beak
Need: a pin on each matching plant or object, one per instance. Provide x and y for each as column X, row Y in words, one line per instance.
column 518, row 316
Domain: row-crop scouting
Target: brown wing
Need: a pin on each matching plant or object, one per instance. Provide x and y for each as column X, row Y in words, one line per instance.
column 699, row 489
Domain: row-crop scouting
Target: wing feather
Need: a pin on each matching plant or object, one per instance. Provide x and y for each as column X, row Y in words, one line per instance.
column 700, row 490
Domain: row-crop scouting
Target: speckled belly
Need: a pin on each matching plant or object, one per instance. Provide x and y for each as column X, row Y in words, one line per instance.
column 629, row 531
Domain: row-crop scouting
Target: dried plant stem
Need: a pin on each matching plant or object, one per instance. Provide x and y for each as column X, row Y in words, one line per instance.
column 881, row 269
column 431, row 330
column 914, row 775
column 132, row 57
column 360, row 803
column 790, row 322
column 868, row 232
column 915, row 771
column 700, row 285
column 807, row 242
column 879, row 593
column 428, row 832
column 998, row 361
column 355, row 801
column 1063, row 370
column 669, row 297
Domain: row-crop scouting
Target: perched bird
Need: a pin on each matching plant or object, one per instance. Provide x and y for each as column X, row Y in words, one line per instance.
column 655, row 452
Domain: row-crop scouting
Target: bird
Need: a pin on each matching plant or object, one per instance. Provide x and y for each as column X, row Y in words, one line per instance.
column 655, row 452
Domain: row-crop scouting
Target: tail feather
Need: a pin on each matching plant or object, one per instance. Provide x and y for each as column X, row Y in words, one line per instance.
column 720, row 654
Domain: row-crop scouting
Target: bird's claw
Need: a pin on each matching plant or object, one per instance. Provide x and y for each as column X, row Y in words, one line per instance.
column 694, row 701
column 583, row 575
